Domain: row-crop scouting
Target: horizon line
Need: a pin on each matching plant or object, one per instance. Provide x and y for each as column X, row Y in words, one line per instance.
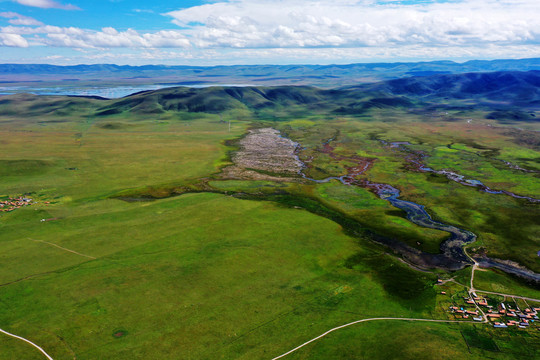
column 290, row 64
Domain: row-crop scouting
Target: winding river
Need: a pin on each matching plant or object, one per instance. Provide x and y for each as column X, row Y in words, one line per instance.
column 416, row 160
column 452, row 255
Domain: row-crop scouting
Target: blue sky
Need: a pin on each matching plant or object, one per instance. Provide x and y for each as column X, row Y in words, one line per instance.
column 206, row 32
column 95, row 14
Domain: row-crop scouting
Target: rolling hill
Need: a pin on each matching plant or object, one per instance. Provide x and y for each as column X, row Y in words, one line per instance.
column 503, row 89
column 508, row 95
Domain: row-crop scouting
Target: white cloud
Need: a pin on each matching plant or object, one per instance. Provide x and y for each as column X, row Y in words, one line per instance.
column 148, row 11
column 13, row 40
column 348, row 23
column 18, row 19
column 106, row 38
column 47, row 4
column 281, row 31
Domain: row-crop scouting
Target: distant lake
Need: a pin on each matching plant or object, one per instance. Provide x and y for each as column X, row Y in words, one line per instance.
column 111, row 92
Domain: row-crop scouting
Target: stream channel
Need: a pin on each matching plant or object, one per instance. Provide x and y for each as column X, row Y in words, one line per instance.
column 452, row 255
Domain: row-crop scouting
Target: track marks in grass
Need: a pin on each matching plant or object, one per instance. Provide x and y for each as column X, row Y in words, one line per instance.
column 63, row 248
column 59, row 271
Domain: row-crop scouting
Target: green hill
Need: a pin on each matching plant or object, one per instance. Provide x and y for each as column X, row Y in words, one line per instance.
column 503, row 93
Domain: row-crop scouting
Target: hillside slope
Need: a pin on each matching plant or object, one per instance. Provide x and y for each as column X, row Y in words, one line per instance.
column 513, row 86
column 507, row 94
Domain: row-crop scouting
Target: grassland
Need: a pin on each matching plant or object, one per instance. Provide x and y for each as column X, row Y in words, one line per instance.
column 238, row 269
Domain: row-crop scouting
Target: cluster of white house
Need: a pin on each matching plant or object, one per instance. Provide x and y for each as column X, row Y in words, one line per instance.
column 14, row 203
column 502, row 316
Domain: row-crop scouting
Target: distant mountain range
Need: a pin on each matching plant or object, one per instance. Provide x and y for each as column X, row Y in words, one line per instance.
column 329, row 76
column 507, row 95
column 516, row 87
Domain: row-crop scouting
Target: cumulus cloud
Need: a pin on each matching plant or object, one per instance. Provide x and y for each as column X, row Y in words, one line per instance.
column 239, row 31
column 13, row 40
column 47, row 4
column 106, row 38
column 350, row 23
column 111, row 38
column 18, row 19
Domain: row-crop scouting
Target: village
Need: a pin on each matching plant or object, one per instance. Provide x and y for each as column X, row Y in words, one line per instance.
column 12, row 204
column 503, row 314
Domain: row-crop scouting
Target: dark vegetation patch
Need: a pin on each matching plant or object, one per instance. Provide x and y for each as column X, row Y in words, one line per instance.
column 108, row 112
column 493, row 152
column 377, row 136
column 412, row 288
column 138, row 93
column 387, row 102
column 479, row 339
column 119, row 333
column 33, row 105
column 113, row 125
column 92, row 97
column 176, row 96
column 396, row 212
column 147, row 107
column 437, row 178
column 23, row 167
column 343, row 110
column 524, row 138
column 354, row 260
column 54, row 121
column 514, row 115
column 488, row 151
column 533, row 160
column 361, row 107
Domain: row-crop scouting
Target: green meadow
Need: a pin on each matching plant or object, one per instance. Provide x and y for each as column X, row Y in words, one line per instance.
column 135, row 246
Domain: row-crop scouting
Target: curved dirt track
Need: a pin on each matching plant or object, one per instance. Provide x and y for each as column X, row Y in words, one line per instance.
column 366, row 320
column 28, row 342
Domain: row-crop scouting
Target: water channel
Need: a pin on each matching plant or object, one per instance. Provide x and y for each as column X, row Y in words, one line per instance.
column 452, row 255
